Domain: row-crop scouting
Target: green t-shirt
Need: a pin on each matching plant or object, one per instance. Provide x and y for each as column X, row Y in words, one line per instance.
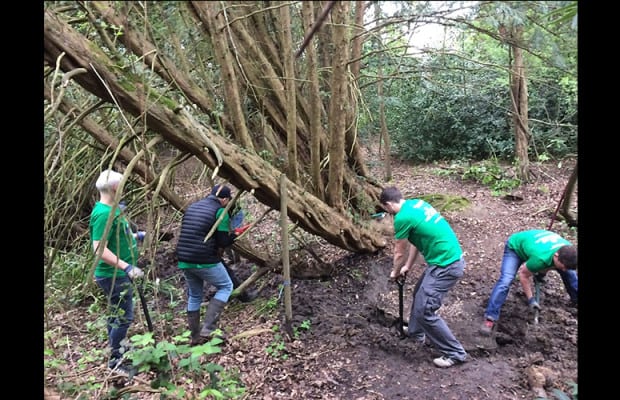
column 225, row 224
column 418, row 222
column 120, row 239
column 536, row 247
column 223, row 227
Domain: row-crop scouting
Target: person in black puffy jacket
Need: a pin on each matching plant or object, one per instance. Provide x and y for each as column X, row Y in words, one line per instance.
column 200, row 260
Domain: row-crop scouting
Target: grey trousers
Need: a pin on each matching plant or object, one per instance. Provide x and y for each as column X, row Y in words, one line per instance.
column 436, row 282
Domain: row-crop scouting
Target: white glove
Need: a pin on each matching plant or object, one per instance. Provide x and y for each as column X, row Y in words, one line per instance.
column 140, row 235
column 133, row 272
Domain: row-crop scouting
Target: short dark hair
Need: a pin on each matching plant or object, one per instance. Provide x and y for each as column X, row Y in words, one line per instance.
column 390, row 193
column 567, row 255
column 221, row 191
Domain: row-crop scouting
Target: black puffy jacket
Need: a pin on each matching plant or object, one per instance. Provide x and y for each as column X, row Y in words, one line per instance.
column 197, row 222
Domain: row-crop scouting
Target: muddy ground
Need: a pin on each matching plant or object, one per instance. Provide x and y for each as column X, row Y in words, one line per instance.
column 351, row 348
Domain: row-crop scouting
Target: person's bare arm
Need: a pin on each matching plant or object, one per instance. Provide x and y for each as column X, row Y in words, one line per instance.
column 109, row 257
column 413, row 255
column 525, row 277
column 401, row 254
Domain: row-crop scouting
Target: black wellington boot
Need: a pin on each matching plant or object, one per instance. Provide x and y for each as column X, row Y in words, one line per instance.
column 193, row 321
column 214, row 311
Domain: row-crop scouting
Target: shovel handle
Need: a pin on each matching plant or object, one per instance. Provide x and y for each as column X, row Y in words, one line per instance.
column 401, row 283
column 537, row 297
column 145, row 309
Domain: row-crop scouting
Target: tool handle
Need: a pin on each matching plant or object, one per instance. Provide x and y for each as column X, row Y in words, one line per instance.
column 147, row 315
column 401, row 283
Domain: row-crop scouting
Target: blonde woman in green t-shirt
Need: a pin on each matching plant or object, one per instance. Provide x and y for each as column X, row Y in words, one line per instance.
column 116, row 247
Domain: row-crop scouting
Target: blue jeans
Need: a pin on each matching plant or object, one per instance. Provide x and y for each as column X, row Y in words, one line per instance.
column 119, row 293
column 436, row 282
column 510, row 265
column 571, row 283
column 217, row 276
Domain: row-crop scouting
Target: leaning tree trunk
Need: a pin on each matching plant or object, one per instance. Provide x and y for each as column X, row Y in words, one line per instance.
column 263, row 70
column 260, row 70
column 65, row 47
column 567, row 199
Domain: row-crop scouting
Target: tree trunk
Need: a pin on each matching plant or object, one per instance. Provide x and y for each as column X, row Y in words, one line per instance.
column 260, row 72
column 211, row 13
column 316, row 106
column 355, row 156
column 291, row 99
column 518, row 96
column 384, row 136
column 177, row 126
column 338, row 106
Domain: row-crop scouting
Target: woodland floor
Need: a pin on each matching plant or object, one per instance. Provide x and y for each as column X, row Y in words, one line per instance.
column 352, row 349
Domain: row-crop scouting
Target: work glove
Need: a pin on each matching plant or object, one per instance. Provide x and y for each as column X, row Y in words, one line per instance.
column 133, row 272
column 239, row 231
column 533, row 304
column 539, row 277
column 140, row 235
column 237, row 219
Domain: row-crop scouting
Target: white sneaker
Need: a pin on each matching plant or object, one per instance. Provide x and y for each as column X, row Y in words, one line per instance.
column 421, row 338
column 445, row 362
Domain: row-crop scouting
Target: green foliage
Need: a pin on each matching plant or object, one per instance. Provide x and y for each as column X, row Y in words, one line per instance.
column 266, row 155
column 443, row 202
column 560, row 395
column 304, row 326
column 455, row 105
column 168, row 362
column 224, row 384
column 66, row 283
column 268, row 306
column 277, row 347
column 450, row 126
column 171, row 360
column 491, row 174
column 564, row 14
column 356, row 274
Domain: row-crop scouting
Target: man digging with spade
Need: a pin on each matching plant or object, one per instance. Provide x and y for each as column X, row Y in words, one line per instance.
column 419, row 227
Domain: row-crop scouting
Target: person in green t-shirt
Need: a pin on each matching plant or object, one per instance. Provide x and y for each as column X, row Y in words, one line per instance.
column 538, row 250
column 418, row 227
column 116, row 247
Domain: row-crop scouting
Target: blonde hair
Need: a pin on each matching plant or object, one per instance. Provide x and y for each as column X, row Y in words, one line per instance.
column 108, row 179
